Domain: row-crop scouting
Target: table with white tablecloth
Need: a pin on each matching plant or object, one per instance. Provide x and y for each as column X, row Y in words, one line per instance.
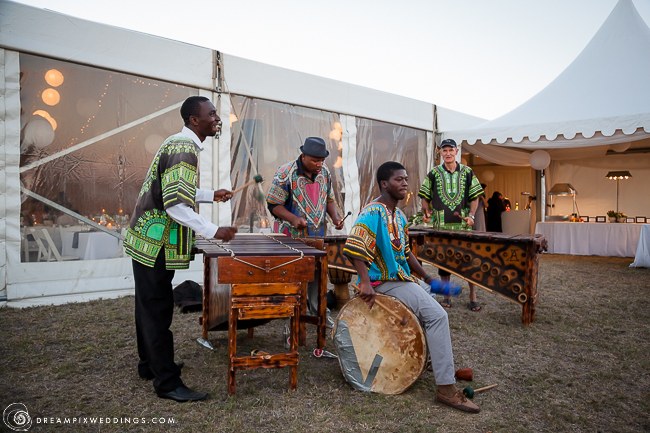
column 91, row 245
column 642, row 256
column 597, row 239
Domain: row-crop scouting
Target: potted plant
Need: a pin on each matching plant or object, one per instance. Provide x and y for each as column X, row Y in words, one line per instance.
column 611, row 215
column 621, row 217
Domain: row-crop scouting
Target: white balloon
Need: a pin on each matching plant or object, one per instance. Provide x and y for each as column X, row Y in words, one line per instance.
column 487, row 176
column 38, row 133
column 540, row 159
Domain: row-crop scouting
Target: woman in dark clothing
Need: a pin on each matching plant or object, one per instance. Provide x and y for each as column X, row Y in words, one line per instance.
column 494, row 210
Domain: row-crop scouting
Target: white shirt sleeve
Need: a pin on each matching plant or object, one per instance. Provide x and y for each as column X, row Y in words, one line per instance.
column 204, row 195
column 185, row 215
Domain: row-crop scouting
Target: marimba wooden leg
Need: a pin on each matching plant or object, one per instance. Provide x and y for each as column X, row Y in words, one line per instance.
column 293, row 343
column 322, row 304
column 232, row 349
column 302, row 327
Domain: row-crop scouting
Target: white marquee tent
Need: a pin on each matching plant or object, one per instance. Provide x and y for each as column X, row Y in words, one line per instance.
column 117, row 97
column 593, row 118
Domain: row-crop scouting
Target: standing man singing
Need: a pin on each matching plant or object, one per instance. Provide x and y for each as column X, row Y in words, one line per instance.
column 300, row 198
column 449, row 200
column 378, row 247
column 160, row 240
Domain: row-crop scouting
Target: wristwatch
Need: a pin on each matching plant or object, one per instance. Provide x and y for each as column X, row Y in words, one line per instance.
column 471, row 216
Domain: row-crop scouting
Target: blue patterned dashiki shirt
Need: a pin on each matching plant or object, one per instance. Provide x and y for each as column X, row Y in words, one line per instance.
column 380, row 239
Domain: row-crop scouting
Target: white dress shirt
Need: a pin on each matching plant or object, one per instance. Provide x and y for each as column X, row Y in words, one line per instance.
column 185, row 214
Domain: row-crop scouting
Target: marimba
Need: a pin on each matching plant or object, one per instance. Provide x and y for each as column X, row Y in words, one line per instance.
column 259, row 258
column 499, row 263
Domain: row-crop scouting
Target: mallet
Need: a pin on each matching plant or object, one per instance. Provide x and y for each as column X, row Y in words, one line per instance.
column 402, row 320
column 465, row 374
column 256, row 179
column 346, row 215
column 469, row 392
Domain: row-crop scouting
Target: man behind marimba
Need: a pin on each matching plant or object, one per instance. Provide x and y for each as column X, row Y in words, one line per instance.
column 160, row 240
column 300, row 198
column 378, row 247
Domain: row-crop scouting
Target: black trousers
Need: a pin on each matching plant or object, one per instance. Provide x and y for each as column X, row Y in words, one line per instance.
column 154, row 310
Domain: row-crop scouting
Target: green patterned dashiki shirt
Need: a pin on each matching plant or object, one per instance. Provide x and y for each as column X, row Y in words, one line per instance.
column 450, row 192
column 172, row 179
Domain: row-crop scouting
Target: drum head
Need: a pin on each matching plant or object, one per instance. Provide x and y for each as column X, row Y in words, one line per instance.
column 377, row 351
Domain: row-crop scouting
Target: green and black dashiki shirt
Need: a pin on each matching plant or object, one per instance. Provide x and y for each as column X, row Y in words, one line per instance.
column 171, row 180
column 450, row 192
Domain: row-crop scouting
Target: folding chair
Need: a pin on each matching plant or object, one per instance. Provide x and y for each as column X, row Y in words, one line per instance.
column 52, row 250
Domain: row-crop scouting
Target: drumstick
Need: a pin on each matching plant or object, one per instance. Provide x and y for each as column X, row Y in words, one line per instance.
column 402, row 320
column 346, row 215
column 256, row 179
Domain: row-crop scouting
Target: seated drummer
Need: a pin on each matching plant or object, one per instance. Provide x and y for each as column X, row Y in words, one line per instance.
column 300, row 197
column 378, row 247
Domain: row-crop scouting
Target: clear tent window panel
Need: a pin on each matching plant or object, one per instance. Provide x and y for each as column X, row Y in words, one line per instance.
column 379, row 142
column 266, row 135
column 88, row 136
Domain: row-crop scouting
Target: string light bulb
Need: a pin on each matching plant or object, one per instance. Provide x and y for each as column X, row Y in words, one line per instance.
column 50, row 96
column 54, row 77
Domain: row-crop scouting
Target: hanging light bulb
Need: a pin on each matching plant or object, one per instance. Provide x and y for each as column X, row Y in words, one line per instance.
column 54, row 77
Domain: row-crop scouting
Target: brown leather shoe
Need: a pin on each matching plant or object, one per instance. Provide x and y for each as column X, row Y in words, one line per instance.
column 458, row 401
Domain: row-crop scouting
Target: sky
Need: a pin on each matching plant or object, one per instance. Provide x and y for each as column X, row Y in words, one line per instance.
column 480, row 57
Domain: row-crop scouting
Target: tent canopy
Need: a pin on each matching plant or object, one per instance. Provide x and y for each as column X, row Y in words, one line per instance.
column 601, row 98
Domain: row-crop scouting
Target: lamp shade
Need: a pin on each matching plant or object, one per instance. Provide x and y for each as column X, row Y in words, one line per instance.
column 618, row 175
column 561, row 189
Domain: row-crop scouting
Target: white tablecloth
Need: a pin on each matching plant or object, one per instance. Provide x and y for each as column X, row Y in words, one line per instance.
column 596, row 239
column 642, row 257
column 91, row 245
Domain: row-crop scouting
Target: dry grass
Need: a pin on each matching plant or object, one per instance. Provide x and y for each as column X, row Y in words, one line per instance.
column 581, row 367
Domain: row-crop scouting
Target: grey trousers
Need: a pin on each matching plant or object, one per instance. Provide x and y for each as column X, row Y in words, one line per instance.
column 434, row 321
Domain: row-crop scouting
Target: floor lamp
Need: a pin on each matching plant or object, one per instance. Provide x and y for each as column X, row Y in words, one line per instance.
column 617, row 176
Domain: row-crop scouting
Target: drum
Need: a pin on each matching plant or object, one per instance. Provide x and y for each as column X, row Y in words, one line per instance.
column 339, row 268
column 382, row 350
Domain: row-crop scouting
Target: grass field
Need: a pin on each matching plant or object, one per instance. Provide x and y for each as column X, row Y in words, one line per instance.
column 582, row 366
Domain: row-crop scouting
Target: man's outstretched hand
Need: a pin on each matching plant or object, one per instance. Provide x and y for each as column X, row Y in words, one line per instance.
column 225, row 233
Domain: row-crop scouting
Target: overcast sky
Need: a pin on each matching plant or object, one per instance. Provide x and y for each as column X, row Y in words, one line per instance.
column 480, row 57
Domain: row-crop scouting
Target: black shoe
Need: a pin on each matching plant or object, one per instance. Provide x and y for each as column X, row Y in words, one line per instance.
column 148, row 375
column 182, row 394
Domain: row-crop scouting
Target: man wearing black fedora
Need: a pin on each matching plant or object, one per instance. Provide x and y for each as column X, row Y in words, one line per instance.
column 300, row 198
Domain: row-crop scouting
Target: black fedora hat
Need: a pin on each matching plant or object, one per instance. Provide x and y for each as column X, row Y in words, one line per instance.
column 448, row 142
column 315, row 146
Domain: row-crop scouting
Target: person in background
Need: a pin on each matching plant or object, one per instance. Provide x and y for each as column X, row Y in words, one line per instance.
column 378, row 247
column 494, row 211
column 481, row 209
column 300, row 197
column 449, row 196
column 160, row 240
